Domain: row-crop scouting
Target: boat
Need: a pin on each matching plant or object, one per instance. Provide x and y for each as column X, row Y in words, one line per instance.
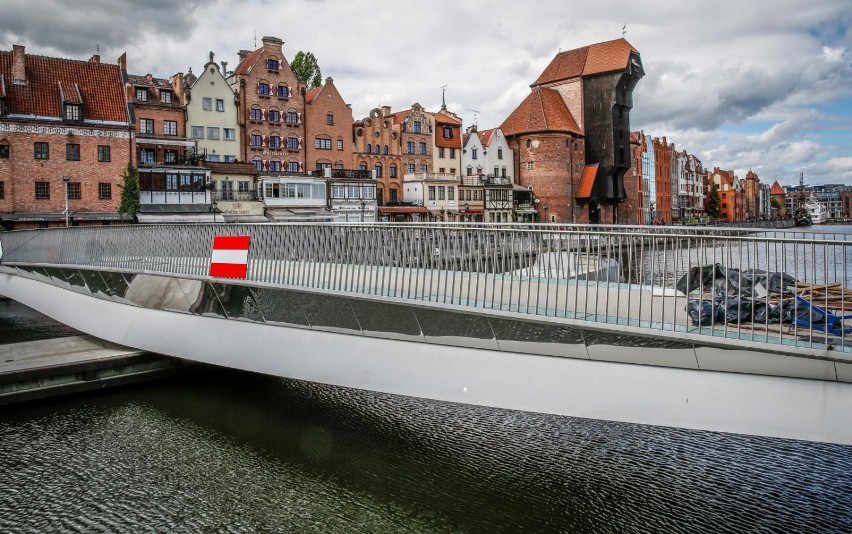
column 802, row 217
column 816, row 211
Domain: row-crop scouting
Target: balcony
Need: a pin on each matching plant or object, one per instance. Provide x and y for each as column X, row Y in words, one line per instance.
column 234, row 196
column 344, row 174
column 431, row 177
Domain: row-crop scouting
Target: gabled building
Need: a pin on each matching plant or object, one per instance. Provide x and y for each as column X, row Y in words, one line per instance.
column 211, row 114
column 751, row 196
column 777, row 193
column 271, row 107
column 65, row 132
column 328, row 129
column 377, row 147
column 447, row 145
column 487, row 186
column 584, row 96
column 663, row 160
column 731, row 195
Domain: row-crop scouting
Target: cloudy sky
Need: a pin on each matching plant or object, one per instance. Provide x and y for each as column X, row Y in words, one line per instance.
column 761, row 84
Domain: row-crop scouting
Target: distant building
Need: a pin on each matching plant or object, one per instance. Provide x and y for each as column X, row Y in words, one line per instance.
column 751, row 195
column 731, row 197
column 486, row 189
column 776, row 193
column 212, row 110
column 663, row 172
column 376, row 145
column 328, row 128
column 61, row 121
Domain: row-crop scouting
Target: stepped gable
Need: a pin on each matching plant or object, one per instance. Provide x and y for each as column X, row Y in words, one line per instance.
column 589, row 60
column 98, row 86
column 543, row 110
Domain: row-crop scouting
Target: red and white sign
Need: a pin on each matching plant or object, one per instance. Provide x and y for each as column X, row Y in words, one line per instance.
column 230, row 256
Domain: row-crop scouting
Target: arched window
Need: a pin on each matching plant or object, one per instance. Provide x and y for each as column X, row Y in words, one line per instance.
column 255, row 113
column 369, row 148
column 329, row 119
column 283, row 91
column 378, row 168
column 378, row 149
column 386, row 150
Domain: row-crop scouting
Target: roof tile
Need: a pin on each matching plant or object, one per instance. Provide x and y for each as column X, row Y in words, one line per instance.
column 543, row 110
column 589, row 60
column 587, row 181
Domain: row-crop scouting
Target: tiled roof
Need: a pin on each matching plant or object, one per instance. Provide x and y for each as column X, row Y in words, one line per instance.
column 587, row 182
column 99, row 84
column 143, row 81
column 232, row 168
column 312, row 94
column 776, row 189
column 245, row 65
column 444, row 118
column 589, row 60
column 486, row 136
column 542, row 111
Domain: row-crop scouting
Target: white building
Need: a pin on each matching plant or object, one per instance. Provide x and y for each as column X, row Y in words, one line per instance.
column 487, row 156
column 296, row 197
column 211, row 113
column 438, row 192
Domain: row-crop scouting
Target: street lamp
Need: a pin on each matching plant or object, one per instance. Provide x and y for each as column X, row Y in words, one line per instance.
column 213, row 209
column 362, row 210
column 466, row 214
column 545, row 213
column 67, row 179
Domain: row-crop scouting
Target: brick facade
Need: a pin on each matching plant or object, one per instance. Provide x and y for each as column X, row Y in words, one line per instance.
column 328, row 128
column 380, row 129
column 663, row 161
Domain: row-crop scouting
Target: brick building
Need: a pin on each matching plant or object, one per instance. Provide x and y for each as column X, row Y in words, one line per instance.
column 328, row 129
column 588, row 93
column 61, row 118
column 376, row 145
column 751, row 196
column 731, row 195
column 272, row 104
column 663, row 173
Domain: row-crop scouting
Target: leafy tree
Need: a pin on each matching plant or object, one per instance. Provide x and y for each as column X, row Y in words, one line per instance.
column 714, row 205
column 130, row 191
column 776, row 206
column 306, row 69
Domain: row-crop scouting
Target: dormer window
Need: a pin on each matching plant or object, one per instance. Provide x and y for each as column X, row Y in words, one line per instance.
column 166, row 97
column 448, row 132
column 142, row 94
column 71, row 112
column 272, row 64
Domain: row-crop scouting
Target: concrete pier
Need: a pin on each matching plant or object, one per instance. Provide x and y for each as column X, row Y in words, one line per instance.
column 47, row 368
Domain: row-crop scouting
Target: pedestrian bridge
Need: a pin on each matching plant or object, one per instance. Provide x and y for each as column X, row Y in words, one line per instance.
column 584, row 321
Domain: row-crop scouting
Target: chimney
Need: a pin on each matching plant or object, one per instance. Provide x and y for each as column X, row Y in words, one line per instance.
column 273, row 43
column 95, row 58
column 177, row 83
column 122, row 61
column 19, row 65
column 224, row 68
column 242, row 54
column 386, row 111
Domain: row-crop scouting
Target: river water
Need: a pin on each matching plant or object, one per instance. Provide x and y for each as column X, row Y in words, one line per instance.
column 227, row 451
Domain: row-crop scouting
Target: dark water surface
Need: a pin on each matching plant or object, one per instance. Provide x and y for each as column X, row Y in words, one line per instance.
column 227, row 451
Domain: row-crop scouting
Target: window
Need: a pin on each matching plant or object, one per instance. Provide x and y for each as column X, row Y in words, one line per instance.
column 213, row 132
column 283, row 91
column 496, row 171
column 431, row 192
column 369, row 148
column 170, row 127
column 146, row 155
column 499, row 153
column 274, row 141
column 243, row 186
column 410, row 146
column 473, row 153
column 376, row 149
column 378, row 169
column 442, row 170
column 42, row 190
column 322, row 144
column 469, row 170
column 452, row 153
column 229, row 159
column 329, row 119
column 441, row 152
column 42, row 151
column 340, row 144
column 274, row 166
column 417, row 127
column 258, row 164
column 424, row 167
column 292, row 143
column 229, row 134
column 142, row 94
column 72, row 152
column 529, row 165
column 441, row 192
column 256, row 140
column 146, row 126
column 423, row 149
column 207, row 103
column 272, row 64
column 255, row 113
column 166, row 96
column 170, row 156
column 263, row 89
column 2, row 190
column 197, row 132
column 392, row 171
column 220, row 104
column 104, row 191
column 74, row 190
column 273, row 115
column 386, row 150
column 338, row 191
column 451, row 193
column 292, row 117
column 448, row 132
column 293, row 166
column 4, row 151
column 103, row 153
column 72, row 112
column 362, row 166
column 213, row 157
column 409, row 168
column 529, row 143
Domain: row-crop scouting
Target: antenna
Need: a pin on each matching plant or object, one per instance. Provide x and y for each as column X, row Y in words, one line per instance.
column 444, row 97
column 98, row 49
column 255, row 38
column 475, row 115
column 624, row 30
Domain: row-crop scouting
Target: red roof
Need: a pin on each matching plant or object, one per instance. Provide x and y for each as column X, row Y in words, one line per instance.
column 486, row 136
column 776, row 189
column 98, row 85
column 589, row 60
column 232, row 168
column 445, row 118
column 542, row 111
column 245, row 65
column 312, row 94
column 587, row 182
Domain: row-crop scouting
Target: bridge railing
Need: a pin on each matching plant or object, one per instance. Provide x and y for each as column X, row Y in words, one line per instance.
column 769, row 286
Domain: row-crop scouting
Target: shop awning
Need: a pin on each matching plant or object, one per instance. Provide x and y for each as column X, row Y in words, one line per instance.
column 32, row 217
column 166, row 218
column 245, row 218
column 390, row 210
column 99, row 216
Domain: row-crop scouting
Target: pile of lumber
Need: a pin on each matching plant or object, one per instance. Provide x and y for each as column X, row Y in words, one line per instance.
column 833, row 297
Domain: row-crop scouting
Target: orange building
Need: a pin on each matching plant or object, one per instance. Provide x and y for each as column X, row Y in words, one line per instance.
column 777, row 192
column 663, row 162
column 731, row 195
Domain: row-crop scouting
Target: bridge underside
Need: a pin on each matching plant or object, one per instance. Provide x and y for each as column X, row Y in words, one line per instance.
column 442, row 352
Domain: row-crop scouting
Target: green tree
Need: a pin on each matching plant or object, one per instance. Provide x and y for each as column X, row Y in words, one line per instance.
column 306, row 69
column 130, row 191
column 714, row 205
column 776, row 206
